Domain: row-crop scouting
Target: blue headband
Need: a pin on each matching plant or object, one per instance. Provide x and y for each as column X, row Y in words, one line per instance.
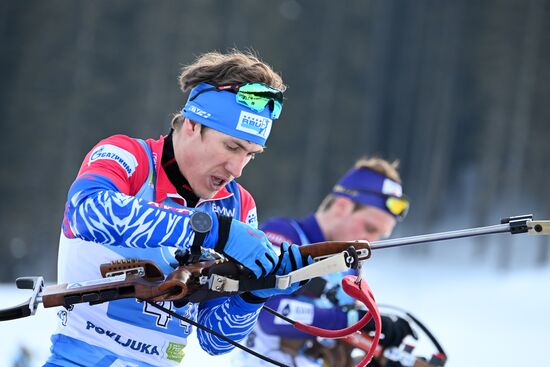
column 368, row 187
column 220, row 111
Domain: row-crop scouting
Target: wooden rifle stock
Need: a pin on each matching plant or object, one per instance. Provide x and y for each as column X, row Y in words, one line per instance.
column 140, row 279
column 323, row 249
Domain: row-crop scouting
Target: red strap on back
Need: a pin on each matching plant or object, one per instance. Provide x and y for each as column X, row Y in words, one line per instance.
column 361, row 292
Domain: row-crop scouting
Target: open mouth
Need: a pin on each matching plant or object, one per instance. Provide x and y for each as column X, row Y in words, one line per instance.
column 218, row 182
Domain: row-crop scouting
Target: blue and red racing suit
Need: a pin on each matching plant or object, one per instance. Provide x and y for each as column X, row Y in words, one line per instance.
column 301, row 306
column 123, row 205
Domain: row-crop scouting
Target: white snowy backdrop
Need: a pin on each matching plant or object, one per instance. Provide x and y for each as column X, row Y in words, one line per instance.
column 481, row 316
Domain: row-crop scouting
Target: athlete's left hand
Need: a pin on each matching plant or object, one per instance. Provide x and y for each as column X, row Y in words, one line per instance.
column 290, row 259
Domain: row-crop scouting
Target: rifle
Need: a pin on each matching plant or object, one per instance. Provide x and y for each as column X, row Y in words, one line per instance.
column 143, row 280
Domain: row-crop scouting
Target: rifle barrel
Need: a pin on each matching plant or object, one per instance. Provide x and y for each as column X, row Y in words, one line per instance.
column 470, row 232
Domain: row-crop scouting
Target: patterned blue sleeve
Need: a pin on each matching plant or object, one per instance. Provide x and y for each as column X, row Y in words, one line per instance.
column 230, row 316
column 97, row 212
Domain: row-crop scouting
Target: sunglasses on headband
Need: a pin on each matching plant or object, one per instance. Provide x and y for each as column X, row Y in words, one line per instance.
column 256, row 96
column 396, row 205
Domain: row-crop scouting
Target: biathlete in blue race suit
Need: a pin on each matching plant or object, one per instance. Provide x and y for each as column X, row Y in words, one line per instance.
column 134, row 198
column 365, row 204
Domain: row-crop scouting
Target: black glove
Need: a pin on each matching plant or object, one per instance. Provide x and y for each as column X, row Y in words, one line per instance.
column 394, row 330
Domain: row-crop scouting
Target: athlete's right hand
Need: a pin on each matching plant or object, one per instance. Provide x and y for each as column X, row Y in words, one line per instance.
column 246, row 245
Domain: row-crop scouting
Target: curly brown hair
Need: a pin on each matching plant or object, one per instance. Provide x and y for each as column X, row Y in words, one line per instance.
column 234, row 67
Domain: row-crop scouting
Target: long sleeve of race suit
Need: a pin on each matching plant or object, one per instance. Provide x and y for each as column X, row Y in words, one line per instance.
column 231, row 316
column 300, row 309
column 96, row 211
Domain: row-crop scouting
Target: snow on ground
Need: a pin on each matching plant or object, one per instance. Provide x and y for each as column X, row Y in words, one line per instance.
column 481, row 316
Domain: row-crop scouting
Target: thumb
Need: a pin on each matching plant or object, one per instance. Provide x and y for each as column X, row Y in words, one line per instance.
column 280, row 262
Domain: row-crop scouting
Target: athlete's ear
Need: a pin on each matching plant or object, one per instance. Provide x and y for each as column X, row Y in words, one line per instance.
column 190, row 127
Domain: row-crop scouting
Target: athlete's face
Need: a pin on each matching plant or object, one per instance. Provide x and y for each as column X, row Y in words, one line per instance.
column 212, row 159
column 368, row 223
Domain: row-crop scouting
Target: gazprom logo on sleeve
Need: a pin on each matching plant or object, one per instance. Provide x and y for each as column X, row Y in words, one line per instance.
column 254, row 124
column 123, row 157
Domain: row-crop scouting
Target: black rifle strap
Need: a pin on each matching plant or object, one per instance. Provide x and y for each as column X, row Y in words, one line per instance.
column 215, row 333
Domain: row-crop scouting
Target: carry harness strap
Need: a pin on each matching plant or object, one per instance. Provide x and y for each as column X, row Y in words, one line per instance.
column 359, row 291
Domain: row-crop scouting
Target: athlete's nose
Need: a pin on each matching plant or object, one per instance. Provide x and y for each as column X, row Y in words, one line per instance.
column 236, row 164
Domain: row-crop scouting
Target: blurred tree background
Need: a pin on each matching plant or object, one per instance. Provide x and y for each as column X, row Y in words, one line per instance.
column 458, row 91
